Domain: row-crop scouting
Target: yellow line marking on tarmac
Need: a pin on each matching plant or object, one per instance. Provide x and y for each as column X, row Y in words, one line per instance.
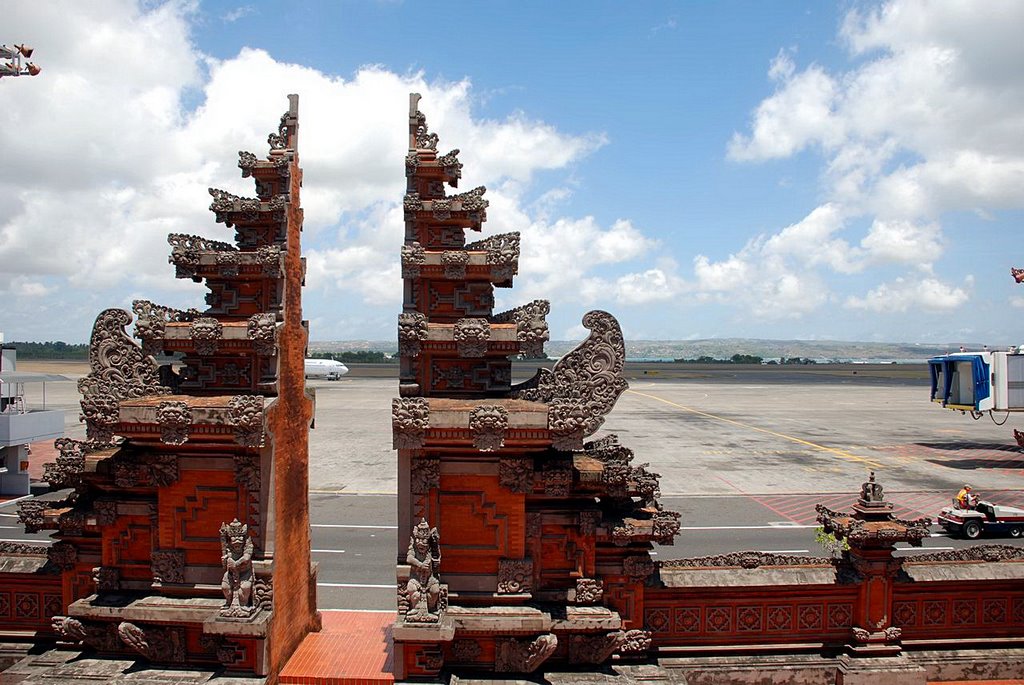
column 842, row 454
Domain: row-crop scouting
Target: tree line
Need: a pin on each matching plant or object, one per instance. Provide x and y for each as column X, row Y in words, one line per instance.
column 49, row 350
column 746, row 359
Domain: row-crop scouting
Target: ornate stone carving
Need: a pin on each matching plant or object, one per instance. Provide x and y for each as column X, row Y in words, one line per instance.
column 638, row 568
column 247, row 471
column 502, row 255
column 162, row 645
column 262, row 330
column 106, row 578
column 269, row 256
column 666, row 527
column 69, row 629
column 557, row 478
column 410, row 419
column 206, row 333
column 594, row 649
column 65, row 471
column 451, row 165
column 893, row 634
column 23, row 549
column 584, row 385
column 487, row 423
column 228, row 262
column 453, row 261
column 860, row 634
column 515, row 576
column 30, row 514
column 987, row 553
column 465, row 651
column 279, row 140
column 1018, row 274
column 151, row 319
column 236, row 559
column 516, row 474
column 531, row 328
column 246, row 162
column 119, row 371
column 174, row 419
column 263, row 592
column 635, row 642
column 534, row 525
column 871, row 491
column 157, row 470
column 168, row 566
column 589, row 591
column 855, row 531
column 745, row 560
column 246, row 417
column 425, row 475
column 523, row 656
column 471, row 337
column 426, row 600
column 63, row 554
column 413, row 257
column 412, row 330
column 471, row 200
column 424, row 140
column 588, row 522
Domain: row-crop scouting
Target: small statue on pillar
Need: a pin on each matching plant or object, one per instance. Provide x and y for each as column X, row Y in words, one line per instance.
column 236, row 557
column 871, row 491
column 426, row 595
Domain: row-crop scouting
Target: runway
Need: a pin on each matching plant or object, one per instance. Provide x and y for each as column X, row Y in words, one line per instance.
column 744, row 455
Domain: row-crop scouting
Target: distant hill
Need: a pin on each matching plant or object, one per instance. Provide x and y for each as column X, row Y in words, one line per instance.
column 719, row 348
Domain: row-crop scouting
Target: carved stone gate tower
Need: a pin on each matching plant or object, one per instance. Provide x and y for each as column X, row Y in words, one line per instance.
column 519, row 544
column 182, row 529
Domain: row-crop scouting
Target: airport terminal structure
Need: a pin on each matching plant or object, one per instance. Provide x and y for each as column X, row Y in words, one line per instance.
column 523, row 553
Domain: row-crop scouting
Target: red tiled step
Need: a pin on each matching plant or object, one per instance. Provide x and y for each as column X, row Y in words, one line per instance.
column 353, row 648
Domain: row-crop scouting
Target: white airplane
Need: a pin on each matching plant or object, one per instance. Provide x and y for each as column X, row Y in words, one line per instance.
column 325, row 368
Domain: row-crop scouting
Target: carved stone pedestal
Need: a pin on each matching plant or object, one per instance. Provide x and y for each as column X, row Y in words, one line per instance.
column 891, row 670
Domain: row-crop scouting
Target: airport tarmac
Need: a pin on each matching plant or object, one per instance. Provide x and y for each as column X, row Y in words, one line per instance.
column 744, row 454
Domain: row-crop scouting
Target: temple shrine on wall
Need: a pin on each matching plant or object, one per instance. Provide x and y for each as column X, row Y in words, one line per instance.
column 521, row 545
column 178, row 539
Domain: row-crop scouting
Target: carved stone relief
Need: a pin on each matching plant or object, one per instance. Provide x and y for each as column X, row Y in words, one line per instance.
column 120, row 370
column 454, row 262
column 162, row 645
column 246, row 417
column 594, row 649
column 583, row 385
column 425, row 475
column 638, row 567
column 63, row 554
column 168, row 566
column 262, row 330
column 523, row 656
column 471, row 337
column 516, row 474
column 106, row 578
column 515, row 576
column 557, row 479
column 206, row 333
column 635, row 642
column 412, row 330
column 426, row 597
column 488, row 423
column 174, row 419
column 410, row 419
column 236, row 559
column 589, row 591
column 413, row 257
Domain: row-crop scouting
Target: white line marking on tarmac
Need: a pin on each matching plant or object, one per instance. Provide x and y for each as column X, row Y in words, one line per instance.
column 924, row 549
column 363, row 611
column 357, row 585
column 327, row 551
column 12, row 501
column 9, row 516
column 45, row 543
column 784, row 551
column 11, row 527
column 345, row 525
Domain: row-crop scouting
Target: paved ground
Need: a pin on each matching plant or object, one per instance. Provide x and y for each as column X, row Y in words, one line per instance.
column 744, row 453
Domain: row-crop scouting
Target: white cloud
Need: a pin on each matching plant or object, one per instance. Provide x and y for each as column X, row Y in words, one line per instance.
column 928, row 119
column 905, row 294
column 111, row 160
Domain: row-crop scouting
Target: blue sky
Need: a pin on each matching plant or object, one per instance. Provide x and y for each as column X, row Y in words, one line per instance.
column 777, row 170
